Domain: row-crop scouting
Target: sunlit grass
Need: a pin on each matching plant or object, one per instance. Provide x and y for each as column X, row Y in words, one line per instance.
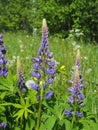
column 26, row 46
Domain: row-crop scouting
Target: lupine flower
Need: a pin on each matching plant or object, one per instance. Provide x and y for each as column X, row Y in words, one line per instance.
column 75, row 90
column 78, row 59
column 49, row 94
column 21, row 82
column 3, row 60
column 44, row 65
column 3, row 125
column 68, row 113
column 35, row 86
column 29, row 84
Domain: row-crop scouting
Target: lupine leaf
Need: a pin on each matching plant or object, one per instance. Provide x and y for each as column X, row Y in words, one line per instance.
column 19, row 114
column 68, row 125
column 29, row 111
column 49, row 124
column 18, row 106
column 30, row 123
column 26, row 114
column 17, row 128
column 27, row 102
column 22, row 101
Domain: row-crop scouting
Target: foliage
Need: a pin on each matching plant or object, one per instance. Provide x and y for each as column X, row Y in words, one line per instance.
column 19, row 109
column 62, row 16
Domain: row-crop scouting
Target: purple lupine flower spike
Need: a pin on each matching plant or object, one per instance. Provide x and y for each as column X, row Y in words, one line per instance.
column 3, row 60
column 44, row 66
column 49, row 94
column 21, row 82
column 78, row 58
column 77, row 96
column 3, row 125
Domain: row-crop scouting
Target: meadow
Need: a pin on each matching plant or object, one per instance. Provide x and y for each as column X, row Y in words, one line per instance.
column 26, row 47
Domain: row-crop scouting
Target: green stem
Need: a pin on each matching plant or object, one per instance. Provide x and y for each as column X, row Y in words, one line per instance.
column 41, row 98
column 74, row 115
column 39, row 110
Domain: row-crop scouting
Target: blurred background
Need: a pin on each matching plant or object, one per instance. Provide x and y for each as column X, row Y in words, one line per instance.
column 64, row 17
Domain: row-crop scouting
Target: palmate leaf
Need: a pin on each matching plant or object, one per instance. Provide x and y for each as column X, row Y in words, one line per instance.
column 7, row 84
column 68, row 124
column 23, row 108
column 89, row 124
column 19, row 114
column 49, row 124
column 17, row 128
column 24, row 111
column 30, row 123
column 22, row 102
column 25, row 114
column 2, row 95
column 18, row 106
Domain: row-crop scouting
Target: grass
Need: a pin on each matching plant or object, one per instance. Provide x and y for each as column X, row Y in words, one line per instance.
column 26, row 46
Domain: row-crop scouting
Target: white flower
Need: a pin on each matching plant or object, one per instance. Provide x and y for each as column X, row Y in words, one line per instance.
column 77, row 30
column 74, row 43
column 14, row 57
column 21, row 50
column 27, row 57
column 85, row 57
column 77, row 47
column 20, row 41
column 88, row 71
column 29, row 83
column 21, row 46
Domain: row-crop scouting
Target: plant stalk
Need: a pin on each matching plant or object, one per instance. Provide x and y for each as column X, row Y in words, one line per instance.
column 39, row 110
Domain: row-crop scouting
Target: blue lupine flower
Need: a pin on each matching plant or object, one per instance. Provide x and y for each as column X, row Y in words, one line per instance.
column 79, row 114
column 71, row 99
column 44, row 84
column 51, row 55
column 44, row 65
column 77, row 85
column 80, row 97
column 3, row 125
column 36, row 66
column 35, row 87
column 82, row 104
column 50, row 80
column 49, row 94
column 51, row 71
column 51, row 63
column 1, row 71
column 38, row 97
column 21, row 82
column 36, row 74
column 5, row 72
column 78, row 59
column 3, row 60
column 68, row 113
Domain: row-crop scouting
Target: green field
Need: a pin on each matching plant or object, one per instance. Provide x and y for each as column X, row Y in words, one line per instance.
column 26, row 47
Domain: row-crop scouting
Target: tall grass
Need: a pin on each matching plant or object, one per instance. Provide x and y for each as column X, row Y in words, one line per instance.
column 26, row 46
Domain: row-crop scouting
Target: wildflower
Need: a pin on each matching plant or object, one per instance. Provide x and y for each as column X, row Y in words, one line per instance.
column 79, row 114
column 44, row 65
column 35, row 78
column 68, row 112
column 77, row 97
column 35, row 86
column 3, row 125
column 49, row 94
column 21, row 82
column 3, row 60
column 78, row 58
column 62, row 67
column 29, row 84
